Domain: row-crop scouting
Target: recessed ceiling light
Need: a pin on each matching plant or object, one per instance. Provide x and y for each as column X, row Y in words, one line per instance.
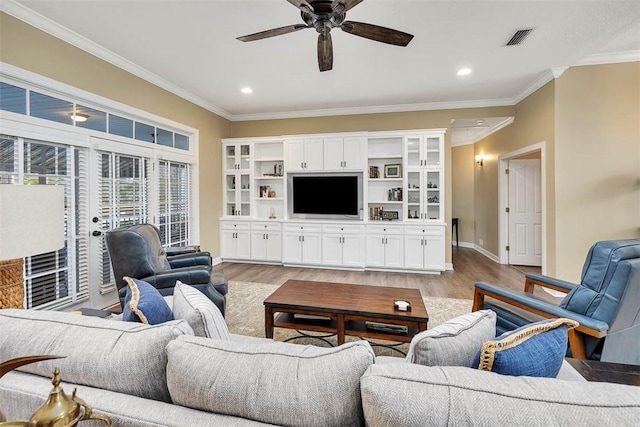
column 246, row 90
column 464, row 71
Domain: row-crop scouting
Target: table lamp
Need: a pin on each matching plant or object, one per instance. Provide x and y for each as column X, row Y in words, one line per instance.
column 31, row 223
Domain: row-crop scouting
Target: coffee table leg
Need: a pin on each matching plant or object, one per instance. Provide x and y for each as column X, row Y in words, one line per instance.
column 341, row 328
column 268, row 322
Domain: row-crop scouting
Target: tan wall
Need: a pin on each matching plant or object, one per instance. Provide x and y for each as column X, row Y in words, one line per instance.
column 598, row 160
column 534, row 123
column 26, row 47
column 462, row 189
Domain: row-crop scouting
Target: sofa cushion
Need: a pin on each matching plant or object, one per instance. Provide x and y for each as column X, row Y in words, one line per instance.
column 278, row 383
column 405, row 394
column 199, row 311
column 143, row 303
column 535, row 350
column 454, row 343
column 119, row 356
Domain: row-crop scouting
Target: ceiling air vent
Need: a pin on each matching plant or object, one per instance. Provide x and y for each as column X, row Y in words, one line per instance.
column 519, row 37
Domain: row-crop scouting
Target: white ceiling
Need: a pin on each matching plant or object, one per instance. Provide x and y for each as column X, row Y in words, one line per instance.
column 190, row 48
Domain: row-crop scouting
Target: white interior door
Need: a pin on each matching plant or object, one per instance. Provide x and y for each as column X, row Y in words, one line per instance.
column 525, row 212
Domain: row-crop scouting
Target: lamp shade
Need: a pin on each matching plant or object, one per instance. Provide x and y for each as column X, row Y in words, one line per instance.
column 31, row 220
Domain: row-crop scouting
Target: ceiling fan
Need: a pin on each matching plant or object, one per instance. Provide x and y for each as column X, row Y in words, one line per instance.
column 324, row 15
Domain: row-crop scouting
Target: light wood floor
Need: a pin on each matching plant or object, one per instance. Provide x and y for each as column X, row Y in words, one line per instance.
column 469, row 267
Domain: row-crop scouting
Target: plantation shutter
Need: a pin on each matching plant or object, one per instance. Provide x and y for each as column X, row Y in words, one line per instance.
column 174, row 202
column 124, row 201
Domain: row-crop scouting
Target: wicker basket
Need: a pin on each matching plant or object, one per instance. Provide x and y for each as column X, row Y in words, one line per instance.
column 11, row 284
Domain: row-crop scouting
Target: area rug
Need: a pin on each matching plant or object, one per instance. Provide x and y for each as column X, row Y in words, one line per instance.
column 245, row 316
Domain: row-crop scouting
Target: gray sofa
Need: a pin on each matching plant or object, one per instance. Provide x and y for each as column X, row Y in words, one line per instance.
column 141, row 375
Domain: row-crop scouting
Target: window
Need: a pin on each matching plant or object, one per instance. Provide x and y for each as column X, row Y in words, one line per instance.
column 13, row 98
column 174, row 198
column 57, row 278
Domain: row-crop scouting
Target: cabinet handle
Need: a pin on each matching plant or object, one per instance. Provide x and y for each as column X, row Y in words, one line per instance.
column 266, row 236
column 301, row 165
column 386, row 240
column 303, row 238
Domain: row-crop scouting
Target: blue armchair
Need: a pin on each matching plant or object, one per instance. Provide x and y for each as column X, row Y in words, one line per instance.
column 606, row 303
column 136, row 252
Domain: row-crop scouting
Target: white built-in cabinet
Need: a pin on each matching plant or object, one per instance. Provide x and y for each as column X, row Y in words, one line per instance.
column 402, row 227
column 343, row 245
column 305, row 155
column 266, row 241
column 385, row 246
column 235, row 240
column 302, row 244
column 344, row 154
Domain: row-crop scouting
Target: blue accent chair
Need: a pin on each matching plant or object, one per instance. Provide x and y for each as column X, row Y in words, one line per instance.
column 606, row 303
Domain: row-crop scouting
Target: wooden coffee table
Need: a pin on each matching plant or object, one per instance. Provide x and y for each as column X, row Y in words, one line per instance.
column 344, row 309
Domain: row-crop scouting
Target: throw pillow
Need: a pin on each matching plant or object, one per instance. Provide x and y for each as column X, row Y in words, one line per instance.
column 535, row 350
column 143, row 303
column 200, row 312
column 455, row 342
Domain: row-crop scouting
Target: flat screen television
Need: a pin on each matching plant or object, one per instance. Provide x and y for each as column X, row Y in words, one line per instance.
column 328, row 196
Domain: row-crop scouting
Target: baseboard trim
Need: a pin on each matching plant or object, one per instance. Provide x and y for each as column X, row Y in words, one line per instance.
column 216, row 261
column 467, row 245
column 448, row 266
column 486, row 253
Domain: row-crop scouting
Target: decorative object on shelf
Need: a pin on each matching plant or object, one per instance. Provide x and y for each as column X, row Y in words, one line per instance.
column 374, row 172
column 393, row 171
column 389, row 215
column 280, row 169
column 244, row 150
column 271, row 193
column 432, row 185
column 26, row 232
column 434, row 199
column 264, row 191
column 272, row 213
column 395, row 194
column 415, row 214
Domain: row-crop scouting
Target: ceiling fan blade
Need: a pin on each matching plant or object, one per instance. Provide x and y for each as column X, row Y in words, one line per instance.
column 377, row 33
column 303, row 5
column 348, row 4
column 272, row 33
column 325, row 52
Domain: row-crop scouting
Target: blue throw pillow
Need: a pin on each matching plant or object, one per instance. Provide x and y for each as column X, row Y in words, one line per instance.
column 534, row 350
column 143, row 303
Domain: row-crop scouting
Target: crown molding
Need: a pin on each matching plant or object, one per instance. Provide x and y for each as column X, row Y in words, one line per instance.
column 399, row 108
column 56, row 30
column 610, row 58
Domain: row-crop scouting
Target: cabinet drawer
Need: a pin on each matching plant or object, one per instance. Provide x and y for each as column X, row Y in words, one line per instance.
column 342, row 229
column 233, row 225
column 385, row 229
column 307, row 228
column 266, row 226
column 430, row 230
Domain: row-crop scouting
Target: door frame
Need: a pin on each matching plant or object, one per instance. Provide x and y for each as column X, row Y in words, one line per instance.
column 503, row 199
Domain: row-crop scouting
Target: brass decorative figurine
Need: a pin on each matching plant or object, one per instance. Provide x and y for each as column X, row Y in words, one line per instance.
column 59, row 410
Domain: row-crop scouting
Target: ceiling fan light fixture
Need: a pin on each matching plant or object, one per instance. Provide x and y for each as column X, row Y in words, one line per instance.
column 246, row 90
column 464, row 71
column 79, row 117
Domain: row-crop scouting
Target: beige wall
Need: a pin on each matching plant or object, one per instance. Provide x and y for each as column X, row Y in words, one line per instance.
column 534, row 123
column 462, row 188
column 31, row 49
column 598, row 160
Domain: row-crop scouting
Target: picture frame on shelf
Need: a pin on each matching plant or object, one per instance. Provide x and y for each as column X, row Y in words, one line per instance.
column 393, row 171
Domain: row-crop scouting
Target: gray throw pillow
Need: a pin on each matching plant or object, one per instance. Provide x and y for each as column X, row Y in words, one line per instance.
column 276, row 383
column 455, row 342
column 199, row 311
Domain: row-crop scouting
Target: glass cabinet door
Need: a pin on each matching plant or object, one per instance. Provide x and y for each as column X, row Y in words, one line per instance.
column 414, row 146
column 433, row 195
column 237, row 157
column 238, row 194
column 414, row 195
column 432, row 151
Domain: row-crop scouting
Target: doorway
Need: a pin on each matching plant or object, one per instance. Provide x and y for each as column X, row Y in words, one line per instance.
column 522, row 207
